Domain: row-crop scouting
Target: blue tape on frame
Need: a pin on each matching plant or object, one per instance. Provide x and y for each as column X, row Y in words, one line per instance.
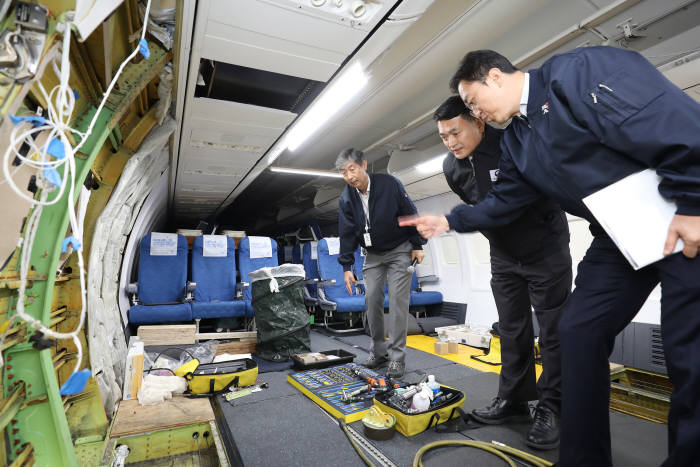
column 52, row 176
column 33, row 119
column 75, row 383
column 72, row 241
column 143, row 48
column 56, row 149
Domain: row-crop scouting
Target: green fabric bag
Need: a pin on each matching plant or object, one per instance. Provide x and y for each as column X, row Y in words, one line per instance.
column 280, row 314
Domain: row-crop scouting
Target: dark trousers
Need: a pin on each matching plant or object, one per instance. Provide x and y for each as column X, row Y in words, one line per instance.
column 608, row 294
column 517, row 288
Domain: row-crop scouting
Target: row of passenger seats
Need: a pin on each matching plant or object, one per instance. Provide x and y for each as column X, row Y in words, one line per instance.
column 164, row 295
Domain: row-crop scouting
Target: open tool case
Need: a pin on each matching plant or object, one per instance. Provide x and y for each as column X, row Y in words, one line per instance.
column 412, row 424
column 325, row 387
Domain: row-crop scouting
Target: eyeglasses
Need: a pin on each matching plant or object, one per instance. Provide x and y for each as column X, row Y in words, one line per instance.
column 473, row 108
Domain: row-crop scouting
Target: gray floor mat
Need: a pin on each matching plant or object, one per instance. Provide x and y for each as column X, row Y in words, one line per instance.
column 280, row 426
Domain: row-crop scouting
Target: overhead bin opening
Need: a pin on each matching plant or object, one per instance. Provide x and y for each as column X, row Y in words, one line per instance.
column 235, row 83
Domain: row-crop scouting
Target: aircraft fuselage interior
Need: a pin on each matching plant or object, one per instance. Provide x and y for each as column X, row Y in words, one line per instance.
column 175, row 247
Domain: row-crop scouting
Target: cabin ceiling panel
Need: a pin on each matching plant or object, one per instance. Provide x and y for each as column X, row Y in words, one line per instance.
column 427, row 187
column 226, row 111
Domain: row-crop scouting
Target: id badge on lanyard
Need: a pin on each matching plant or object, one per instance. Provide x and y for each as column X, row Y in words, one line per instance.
column 367, row 237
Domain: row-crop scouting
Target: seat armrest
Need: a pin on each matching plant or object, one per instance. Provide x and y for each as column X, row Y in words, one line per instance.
column 240, row 287
column 189, row 288
column 326, row 282
column 431, row 278
column 132, row 290
column 310, row 281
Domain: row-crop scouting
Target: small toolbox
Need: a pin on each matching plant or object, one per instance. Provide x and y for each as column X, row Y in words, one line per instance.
column 413, row 424
column 315, row 360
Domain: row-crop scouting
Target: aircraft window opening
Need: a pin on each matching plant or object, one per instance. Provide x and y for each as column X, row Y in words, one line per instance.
column 450, row 249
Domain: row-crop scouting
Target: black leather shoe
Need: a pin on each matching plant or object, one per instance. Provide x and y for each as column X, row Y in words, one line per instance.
column 375, row 360
column 502, row 411
column 544, row 433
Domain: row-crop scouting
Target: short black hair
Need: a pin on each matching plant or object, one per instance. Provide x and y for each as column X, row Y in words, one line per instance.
column 476, row 64
column 451, row 108
column 347, row 155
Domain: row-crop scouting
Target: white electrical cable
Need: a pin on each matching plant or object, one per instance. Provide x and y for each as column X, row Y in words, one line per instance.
column 58, row 126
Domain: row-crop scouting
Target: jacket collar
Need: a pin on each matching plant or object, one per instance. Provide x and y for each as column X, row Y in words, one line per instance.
column 537, row 91
column 491, row 142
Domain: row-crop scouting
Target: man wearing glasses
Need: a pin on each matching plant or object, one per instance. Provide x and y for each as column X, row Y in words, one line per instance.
column 583, row 121
column 367, row 213
column 530, row 268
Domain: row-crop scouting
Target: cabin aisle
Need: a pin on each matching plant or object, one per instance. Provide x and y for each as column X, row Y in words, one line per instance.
column 280, row 426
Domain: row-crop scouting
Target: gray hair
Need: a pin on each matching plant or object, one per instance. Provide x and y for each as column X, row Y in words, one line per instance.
column 349, row 155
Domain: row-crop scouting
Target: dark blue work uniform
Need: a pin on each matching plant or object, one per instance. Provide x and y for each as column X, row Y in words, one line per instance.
column 530, row 269
column 594, row 116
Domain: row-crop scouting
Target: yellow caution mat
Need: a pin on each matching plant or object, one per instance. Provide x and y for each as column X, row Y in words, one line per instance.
column 472, row 357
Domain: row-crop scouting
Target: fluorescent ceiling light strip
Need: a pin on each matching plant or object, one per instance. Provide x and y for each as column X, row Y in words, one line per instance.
column 339, row 93
column 431, row 165
column 301, row 171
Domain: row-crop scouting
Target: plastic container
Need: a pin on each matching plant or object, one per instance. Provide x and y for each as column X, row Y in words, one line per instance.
column 421, row 401
column 433, row 385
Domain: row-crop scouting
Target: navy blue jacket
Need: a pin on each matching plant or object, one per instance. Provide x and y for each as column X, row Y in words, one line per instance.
column 387, row 201
column 594, row 116
column 540, row 231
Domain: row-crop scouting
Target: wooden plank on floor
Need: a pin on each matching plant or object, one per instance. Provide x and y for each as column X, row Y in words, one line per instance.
column 235, row 347
column 167, row 334
column 134, row 418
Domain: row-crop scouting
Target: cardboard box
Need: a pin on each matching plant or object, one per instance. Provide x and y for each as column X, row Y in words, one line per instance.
column 441, row 348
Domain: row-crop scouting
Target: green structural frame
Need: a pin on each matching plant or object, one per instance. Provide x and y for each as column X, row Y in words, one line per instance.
column 42, row 421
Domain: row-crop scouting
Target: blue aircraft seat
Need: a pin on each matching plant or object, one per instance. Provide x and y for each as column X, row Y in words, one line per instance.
column 420, row 297
column 296, row 254
column 214, row 272
column 329, row 269
column 310, row 261
column 162, row 281
column 254, row 253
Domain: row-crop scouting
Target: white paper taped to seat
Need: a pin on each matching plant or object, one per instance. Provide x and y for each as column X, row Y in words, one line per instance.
column 260, row 247
column 214, row 245
column 333, row 245
column 314, row 250
column 163, row 244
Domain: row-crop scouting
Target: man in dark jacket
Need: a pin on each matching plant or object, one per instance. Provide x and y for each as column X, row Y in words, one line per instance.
column 367, row 212
column 530, row 268
column 583, row 121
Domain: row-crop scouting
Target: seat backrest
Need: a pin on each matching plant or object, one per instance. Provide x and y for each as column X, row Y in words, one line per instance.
column 214, row 268
column 310, row 259
column 329, row 268
column 162, row 268
column 296, row 254
column 255, row 253
column 359, row 263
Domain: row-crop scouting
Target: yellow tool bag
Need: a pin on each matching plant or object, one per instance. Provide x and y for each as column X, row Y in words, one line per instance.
column 213, row 378
column 413, row 424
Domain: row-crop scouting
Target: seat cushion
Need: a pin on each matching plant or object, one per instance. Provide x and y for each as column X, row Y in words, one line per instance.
column 154, row 314
column 223, row 309
column 348, row 304
column 425, row 298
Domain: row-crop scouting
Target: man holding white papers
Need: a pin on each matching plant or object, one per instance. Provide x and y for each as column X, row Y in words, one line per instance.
column 583, row 121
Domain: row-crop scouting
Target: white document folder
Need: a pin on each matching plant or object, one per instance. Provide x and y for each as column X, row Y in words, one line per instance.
column 635, row 216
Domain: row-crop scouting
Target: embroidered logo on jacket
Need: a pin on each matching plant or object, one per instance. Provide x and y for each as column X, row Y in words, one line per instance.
column 545, row 108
